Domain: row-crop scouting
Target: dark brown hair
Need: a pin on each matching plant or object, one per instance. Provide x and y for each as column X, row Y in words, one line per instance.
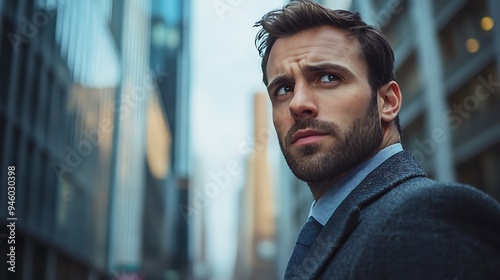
column 299, row 15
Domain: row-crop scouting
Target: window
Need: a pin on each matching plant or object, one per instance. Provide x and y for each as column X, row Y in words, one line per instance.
column 34, row 91
column 34, row 184
column 408, row 78
column 39, row 261
column 6, row 59
column 12, row 6
column 3, row 132
column 49, row 105
column 477, row 97
column 395, row 21
column 414, row 139
column 12, row 158
column 50, row 195
column 438, row 5
column 22, row 79
column 4, row 151
column 48, row 203
column 466, row 35
column 481, row 171
column 55, row 121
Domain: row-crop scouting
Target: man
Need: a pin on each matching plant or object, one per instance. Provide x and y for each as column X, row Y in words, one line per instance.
column 335, row 110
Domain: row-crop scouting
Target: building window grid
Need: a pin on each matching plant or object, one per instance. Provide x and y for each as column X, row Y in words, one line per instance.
column 469, row 98
column 462, row 38
column 34, row 166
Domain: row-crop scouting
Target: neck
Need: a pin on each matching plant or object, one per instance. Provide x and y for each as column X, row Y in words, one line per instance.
column 318, row 188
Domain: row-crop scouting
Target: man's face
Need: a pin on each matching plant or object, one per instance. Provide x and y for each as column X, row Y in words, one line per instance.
column 323, row 111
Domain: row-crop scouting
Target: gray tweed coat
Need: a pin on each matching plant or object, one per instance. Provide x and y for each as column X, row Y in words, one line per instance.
column 399, row 224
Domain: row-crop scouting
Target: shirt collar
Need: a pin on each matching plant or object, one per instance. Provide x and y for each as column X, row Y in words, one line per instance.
column 323, row 209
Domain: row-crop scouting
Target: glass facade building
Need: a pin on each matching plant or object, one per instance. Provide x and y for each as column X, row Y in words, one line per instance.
column 84, row 121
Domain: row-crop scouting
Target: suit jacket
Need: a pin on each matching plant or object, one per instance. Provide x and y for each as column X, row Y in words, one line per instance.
column 399, row 224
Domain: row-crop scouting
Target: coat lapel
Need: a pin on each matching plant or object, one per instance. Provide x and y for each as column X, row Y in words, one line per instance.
column 344, row 220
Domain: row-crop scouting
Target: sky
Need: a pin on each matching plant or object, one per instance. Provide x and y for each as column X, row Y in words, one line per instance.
column 224, row 76
column 225, row 73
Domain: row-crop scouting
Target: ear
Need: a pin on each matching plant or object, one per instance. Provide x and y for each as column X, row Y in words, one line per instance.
column 389, row 101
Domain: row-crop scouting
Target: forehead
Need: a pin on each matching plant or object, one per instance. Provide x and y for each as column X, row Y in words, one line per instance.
column 315, row 45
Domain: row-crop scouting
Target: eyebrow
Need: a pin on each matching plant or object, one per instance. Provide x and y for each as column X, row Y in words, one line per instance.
column 311, row 68
column 278, row 80
column 326, row 67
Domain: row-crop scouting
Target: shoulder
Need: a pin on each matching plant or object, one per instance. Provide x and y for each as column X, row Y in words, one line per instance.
column 423, row 195
column 446, row 229
column 422, row 203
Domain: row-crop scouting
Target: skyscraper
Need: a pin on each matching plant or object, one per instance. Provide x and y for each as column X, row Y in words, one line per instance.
column 80, row 111
column 257, row 237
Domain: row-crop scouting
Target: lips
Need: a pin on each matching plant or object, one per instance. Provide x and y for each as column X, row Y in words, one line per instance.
column 305, row 136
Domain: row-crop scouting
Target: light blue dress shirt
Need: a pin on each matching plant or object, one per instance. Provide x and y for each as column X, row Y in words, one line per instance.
column 323, row 209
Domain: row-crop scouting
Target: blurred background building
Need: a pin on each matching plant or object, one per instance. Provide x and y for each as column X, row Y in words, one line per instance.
column 169, row 58
column 256, row 256
column 447, row 63
column 85, row 120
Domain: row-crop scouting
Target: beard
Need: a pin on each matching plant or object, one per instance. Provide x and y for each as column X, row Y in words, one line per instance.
column 311, row 163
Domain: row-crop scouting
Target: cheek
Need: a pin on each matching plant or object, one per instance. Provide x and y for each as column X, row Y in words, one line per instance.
column 281, row 124
column 344, row 108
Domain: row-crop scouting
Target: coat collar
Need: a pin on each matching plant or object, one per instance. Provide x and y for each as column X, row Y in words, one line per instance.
column 395, row 170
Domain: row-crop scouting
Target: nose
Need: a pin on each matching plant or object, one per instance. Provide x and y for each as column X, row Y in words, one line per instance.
column 303, row 104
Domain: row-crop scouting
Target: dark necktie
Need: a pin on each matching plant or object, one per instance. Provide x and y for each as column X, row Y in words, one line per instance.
column 308, row 234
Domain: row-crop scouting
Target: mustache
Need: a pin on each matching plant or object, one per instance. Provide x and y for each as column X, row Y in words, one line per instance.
column 319, row 125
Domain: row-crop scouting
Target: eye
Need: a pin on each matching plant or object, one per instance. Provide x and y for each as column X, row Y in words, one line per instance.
column 328, row 78
column 284, row 90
